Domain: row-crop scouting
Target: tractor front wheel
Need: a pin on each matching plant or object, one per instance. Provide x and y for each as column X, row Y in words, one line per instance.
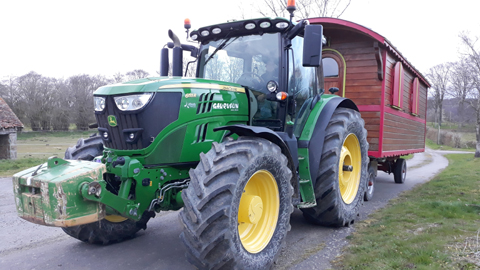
column 342, row 174
column 237, row 206
column 113, row 228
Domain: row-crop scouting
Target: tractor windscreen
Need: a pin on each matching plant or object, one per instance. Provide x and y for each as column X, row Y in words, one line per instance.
column 247, row 60
column 251, row 61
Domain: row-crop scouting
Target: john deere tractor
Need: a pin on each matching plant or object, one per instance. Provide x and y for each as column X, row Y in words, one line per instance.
column 236, row 149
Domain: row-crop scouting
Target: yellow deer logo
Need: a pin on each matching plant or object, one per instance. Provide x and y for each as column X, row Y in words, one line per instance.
column 112, row 121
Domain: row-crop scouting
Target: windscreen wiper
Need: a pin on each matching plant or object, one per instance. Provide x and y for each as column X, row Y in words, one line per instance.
column 220, row 47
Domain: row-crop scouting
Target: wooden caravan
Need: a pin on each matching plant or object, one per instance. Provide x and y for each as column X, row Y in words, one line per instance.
column 389, row 92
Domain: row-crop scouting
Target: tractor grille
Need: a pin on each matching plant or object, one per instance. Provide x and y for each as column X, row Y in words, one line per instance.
column 205, row 103
column 201, row 132
column 137, row 129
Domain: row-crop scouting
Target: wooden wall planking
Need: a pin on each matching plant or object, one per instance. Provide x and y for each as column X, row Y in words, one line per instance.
column 372, row 124
column 364, row 88
column 401, row 133
column 362, row 84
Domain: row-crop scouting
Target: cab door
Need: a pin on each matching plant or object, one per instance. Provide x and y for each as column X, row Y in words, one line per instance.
column 302, row 85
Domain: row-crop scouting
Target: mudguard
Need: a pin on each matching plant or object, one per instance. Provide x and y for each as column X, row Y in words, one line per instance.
column 313, row 138
column 268, row 134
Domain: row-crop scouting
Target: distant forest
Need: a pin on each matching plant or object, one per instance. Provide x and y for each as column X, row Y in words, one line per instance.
column 45, row 103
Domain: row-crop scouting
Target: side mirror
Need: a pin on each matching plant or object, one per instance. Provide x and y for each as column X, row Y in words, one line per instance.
column 312, row 45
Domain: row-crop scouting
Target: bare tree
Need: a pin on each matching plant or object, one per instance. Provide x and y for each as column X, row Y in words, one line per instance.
column 439, row 77
column 461, row 85
column 81, row 88
column 473, row 59
column 136, row 74
column 305, row 8
column 61, row 105
column 118, row 77
column 36, row 97
column 9, row 92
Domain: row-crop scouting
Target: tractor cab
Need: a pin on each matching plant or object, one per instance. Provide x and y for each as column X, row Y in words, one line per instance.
column 270, row 58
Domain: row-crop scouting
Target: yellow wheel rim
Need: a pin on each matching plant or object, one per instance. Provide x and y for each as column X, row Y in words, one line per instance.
column 350, row 168
column 258, row 211
column 115, row 218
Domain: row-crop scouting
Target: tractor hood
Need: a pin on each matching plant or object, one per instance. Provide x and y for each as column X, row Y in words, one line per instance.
column 180, row 111
column 155, row 84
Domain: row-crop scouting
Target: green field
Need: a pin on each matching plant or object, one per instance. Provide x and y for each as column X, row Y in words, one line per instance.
column 433, row 226
column 34, row 148
column 432, row 145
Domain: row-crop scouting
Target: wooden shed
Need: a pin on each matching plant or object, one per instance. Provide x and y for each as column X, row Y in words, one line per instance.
column 389, row 91
column 9, row 126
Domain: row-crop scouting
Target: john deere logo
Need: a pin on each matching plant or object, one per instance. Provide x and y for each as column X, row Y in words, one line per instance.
column 112, row 121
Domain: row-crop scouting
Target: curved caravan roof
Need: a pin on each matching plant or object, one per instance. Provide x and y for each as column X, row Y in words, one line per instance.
column 350, row 26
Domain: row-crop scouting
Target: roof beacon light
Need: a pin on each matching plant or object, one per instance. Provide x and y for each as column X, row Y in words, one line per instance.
column 291, row 8
column 187, row 25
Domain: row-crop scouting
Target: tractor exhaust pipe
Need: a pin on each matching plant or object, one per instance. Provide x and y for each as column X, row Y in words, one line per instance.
column 164, row 62
column 177, row 55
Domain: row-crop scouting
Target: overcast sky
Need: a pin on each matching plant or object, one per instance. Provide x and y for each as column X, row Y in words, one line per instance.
column 65, row 38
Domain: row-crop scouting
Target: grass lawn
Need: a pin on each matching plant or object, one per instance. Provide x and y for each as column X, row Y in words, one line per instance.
column 34, row 148
column 434, row 226
column 432, row 145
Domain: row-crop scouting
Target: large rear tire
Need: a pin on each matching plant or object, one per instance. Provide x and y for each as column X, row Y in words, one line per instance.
column 113, row 228
column 237, row 206
column 342, row 175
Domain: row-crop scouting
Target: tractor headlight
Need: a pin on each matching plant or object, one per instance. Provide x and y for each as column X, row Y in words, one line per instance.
column 99, row 103
column 132, row 102
column 272, row 86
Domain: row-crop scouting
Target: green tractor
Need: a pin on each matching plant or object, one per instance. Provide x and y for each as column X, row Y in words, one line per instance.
column 236, row 149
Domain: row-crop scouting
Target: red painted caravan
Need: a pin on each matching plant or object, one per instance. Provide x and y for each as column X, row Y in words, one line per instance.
column 389, row 91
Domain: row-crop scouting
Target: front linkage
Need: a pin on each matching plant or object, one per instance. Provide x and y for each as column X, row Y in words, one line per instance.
column 67, row 193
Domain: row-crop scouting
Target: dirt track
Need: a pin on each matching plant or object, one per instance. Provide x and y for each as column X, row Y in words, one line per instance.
column 29, row 246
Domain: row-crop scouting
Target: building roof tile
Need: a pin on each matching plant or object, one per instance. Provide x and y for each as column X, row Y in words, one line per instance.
column 8, row 119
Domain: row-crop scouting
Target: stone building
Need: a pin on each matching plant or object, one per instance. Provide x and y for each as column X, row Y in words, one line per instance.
column 9, row 126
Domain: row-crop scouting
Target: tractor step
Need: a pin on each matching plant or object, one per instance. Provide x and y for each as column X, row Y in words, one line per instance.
column 308, row 194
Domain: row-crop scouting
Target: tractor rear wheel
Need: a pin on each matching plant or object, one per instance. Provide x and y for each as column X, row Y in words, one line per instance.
column 237, row 206
column 342, row 175
column 400, row 171
column 112, row 228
